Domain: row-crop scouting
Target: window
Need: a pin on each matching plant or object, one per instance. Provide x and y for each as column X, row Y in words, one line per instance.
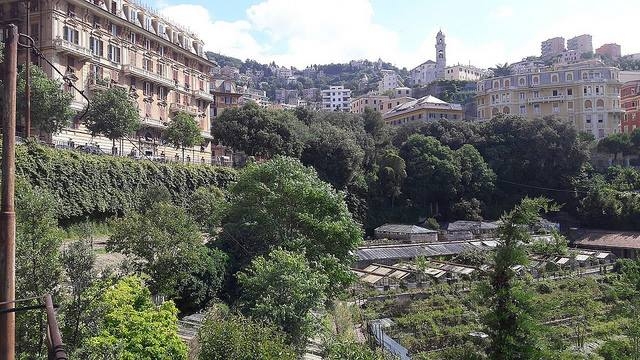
column 569, row 76
column 570, row 105
column 147, row 64
column 96, row 46
column 570, row 91
column 523, row 109
column 432, row 116
column 71, row 35
column 132, row 38
column 522, row 82
column 114, row 53
column 160, row 68
column 601, row 118
column 114, row 29
column 535, row 80
column 133, row 15
column 147, row 24
column 161, row 50
column 600, row 104
column 536, row 108
column 147, row 89
column 588, row 104
column 162, row 93
column 554, row 93
column 147, row 44
column 587, row 119
column 507, row 83
column 554, row 78
column 556, row 107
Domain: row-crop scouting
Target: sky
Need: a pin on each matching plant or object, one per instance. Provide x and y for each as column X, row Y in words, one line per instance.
column 482, row 33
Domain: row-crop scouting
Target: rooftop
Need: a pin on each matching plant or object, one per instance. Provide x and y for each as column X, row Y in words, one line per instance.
column 464, row 225
column 609, row 239
column 426, row 102
column 406, row 229
column 373, row 253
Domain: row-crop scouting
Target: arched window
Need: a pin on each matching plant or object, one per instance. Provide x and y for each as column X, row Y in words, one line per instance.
column 507, row 83
column 521, row 82
column 496, row 84
column 569, row 77
column 554, row 78
column 506, row 110
column 600, row 104
column 494, row 111
column 588, row 104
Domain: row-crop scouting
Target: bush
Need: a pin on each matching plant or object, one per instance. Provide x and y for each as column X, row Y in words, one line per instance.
column 101, row 186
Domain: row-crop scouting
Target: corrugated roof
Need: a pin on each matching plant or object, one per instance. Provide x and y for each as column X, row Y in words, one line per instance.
column 464, row 225
column 405, row 229
column 608, row 239
column 373, row 253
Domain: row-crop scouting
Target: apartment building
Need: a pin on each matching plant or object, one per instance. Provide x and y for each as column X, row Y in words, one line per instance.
column 226, row 95
column 105, row 43
column 630, row 98
column 551, row 47
column 336, row 98
column 582, row 44
column 254, row 95
column 587, row 94
column 390, row 80
column 428, row 108
column 614, row 51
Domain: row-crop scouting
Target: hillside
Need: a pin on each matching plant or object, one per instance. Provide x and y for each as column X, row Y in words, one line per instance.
column 361, row 76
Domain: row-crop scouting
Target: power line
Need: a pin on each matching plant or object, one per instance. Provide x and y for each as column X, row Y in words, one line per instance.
column 542, row 187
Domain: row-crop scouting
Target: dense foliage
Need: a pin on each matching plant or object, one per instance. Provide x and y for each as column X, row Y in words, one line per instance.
column 50, row 110
column 100, row 186
column 183, row 131
column 112, row 113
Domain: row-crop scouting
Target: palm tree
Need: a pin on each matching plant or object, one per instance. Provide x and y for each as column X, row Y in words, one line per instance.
column 501, row 70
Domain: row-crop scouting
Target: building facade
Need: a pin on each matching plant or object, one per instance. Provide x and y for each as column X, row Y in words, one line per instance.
column 336, row 98
column 630, row 98
column 226, row 96
column 390, row 80
column 582, row 44
column 587, row 94
column 254, row 95
column 428, row 108
column 551, row 47
column 613, row 51
column 464, row 73
column 106, row 43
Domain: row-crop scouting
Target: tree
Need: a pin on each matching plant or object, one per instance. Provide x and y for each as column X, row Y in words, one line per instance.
column 282, row 204
column 79, row 260
column 113, row 114
column 476, row 181
column 433, row 173
column 166, row 244
column 353, row 351
column 50, row 106
column 333, row 153
column 510, row 324
column 132, row 327
column 373, row 123
column 231, row 336
column 208, row 207
column 183, row 131
column 615, row 144
column 260, row 132
column 501, row 70
column 392, row 173
column 282, row 289
column 38, row 265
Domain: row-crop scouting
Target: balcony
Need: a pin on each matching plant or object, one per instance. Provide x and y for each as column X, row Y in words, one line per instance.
column 146, row 74
column 543, row 99
column 203, row 95
column 65, row 46
column 175, row 107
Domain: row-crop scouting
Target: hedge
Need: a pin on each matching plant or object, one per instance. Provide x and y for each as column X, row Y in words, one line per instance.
column 93, row 186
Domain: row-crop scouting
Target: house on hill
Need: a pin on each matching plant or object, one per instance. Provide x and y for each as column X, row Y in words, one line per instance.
column 624, row 244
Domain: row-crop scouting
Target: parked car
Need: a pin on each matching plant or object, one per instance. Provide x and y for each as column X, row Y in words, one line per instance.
column 90, row 149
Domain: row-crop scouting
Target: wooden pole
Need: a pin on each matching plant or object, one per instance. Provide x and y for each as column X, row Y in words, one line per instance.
column 7, row 212
column 27, row 83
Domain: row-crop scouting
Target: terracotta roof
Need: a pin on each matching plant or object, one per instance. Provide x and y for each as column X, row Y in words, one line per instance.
column 609, row 239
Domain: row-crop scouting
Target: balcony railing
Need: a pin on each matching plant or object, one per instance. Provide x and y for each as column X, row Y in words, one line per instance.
column 68, row 46
column 146, row 74
column 203, row 95
column 547, row 98
column 176, row 107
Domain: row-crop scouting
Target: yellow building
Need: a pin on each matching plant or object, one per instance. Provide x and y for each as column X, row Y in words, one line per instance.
column 106, row 43
column 587, row 94
column 380, row 103
column 428, row 108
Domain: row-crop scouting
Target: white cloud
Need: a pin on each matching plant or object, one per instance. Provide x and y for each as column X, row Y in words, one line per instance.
column 229, row 38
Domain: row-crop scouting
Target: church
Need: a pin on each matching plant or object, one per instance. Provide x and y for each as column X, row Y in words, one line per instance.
column 431, row 70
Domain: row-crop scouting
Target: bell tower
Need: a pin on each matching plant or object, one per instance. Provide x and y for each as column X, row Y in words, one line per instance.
column 441, row 55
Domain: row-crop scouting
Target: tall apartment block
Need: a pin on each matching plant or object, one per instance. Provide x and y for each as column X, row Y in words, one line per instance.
column 336, row 98
column 613, row 51
column 105, row 43
column 582, row 44
column 586, row 94
column 552, row 47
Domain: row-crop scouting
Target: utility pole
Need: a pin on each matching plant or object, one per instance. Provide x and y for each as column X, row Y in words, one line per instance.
column 27, row 70
column 7, row 212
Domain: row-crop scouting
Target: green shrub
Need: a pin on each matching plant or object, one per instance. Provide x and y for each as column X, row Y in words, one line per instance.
column 97, row 187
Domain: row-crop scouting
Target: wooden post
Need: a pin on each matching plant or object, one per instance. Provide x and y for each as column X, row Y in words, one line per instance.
column 27, row 71
column 7, row 213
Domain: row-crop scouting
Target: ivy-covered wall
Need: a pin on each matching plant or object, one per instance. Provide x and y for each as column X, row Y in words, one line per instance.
column 99, row 186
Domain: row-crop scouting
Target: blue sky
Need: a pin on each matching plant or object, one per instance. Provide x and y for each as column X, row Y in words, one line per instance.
column 483, row 33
